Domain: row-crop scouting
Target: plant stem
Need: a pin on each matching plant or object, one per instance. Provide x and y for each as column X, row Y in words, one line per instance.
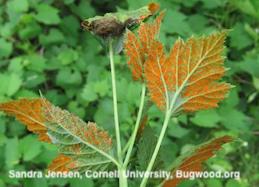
column 159, row 141
column 115, row 104
column 122, row 177
column 122, row 171
column 135, row 131
column 125, row 148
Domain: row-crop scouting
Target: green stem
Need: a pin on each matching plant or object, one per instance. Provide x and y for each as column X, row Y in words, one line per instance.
column 159, row 141
column 122, row 171
column 124, row 150
column 122, row 177
column 135, row 131
column 115, row 105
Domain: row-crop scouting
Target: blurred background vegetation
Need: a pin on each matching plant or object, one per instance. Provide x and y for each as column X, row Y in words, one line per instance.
column 42, row 47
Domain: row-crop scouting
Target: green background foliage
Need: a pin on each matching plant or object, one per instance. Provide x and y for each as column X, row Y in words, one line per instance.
column 42, row 47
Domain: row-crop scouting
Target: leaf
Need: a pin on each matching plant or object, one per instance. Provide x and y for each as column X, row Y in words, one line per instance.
column 239, row 38
column 114, row 24
column 14, row 83
column 28, row 151
column 137, row 48
column 75, row 77
column 6, row 48
column 18, row 6
column 54, row 37
column 81, row 145
column 187, row 78
column 208, row 118
column 47, row 14
column 29, row 113
column 12, row 154
column 248, row 7
column 144, row 152
column 194, row 159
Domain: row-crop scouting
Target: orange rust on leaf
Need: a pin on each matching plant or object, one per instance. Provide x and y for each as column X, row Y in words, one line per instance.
column 137, row 47
column 194, row 162
column 153, row 7
column 28, row 112
column 61, row 163
column 192, row 70
column 97, row 136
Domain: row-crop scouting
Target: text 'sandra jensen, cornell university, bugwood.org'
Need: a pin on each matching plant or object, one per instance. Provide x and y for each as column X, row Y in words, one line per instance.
column 130, row 174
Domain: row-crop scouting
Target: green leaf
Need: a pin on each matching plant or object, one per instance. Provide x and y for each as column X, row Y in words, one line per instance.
column 12, row 154
column 74, row 107
column 68, row 77
column 47, row 14
column 2, row 138
column 2, row 184
column 29, row 147
column 207, row 118
column 68, row 56
column 33, row 79
column 177, row 131
column 31, row 30
column 233, row 183
column 82, row 182
column 7, row 30
column 102, row 88
column 13, row 84
column 234, row 119
column 15, row 65
column 239, row 37
column 6, row 48
column 256, row 83
column 35, row 182
column 70, row 25
column 145, row 152
column 104, row 114
column 249, row 7
column 250, row 64
column 176, row 22
column 198, row 23
column 83, row 9
column 213, row 3
column 53, row 37
column 88, row 94
column 36, row 62
column 18, row 5
column 214, row 182
column 137, row 4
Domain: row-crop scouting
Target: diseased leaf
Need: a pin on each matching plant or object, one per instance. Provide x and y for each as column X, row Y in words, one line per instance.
column 193, row 160
column 187, row 78
column 60, row 163
column 137, row 48
column 81, row 145
column 114, row 24
column 29, row 113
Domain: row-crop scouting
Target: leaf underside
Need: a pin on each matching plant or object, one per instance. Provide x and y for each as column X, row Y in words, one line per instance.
column 187, row 78
column 80, row 144
column 193, row 161
column 137, row 47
